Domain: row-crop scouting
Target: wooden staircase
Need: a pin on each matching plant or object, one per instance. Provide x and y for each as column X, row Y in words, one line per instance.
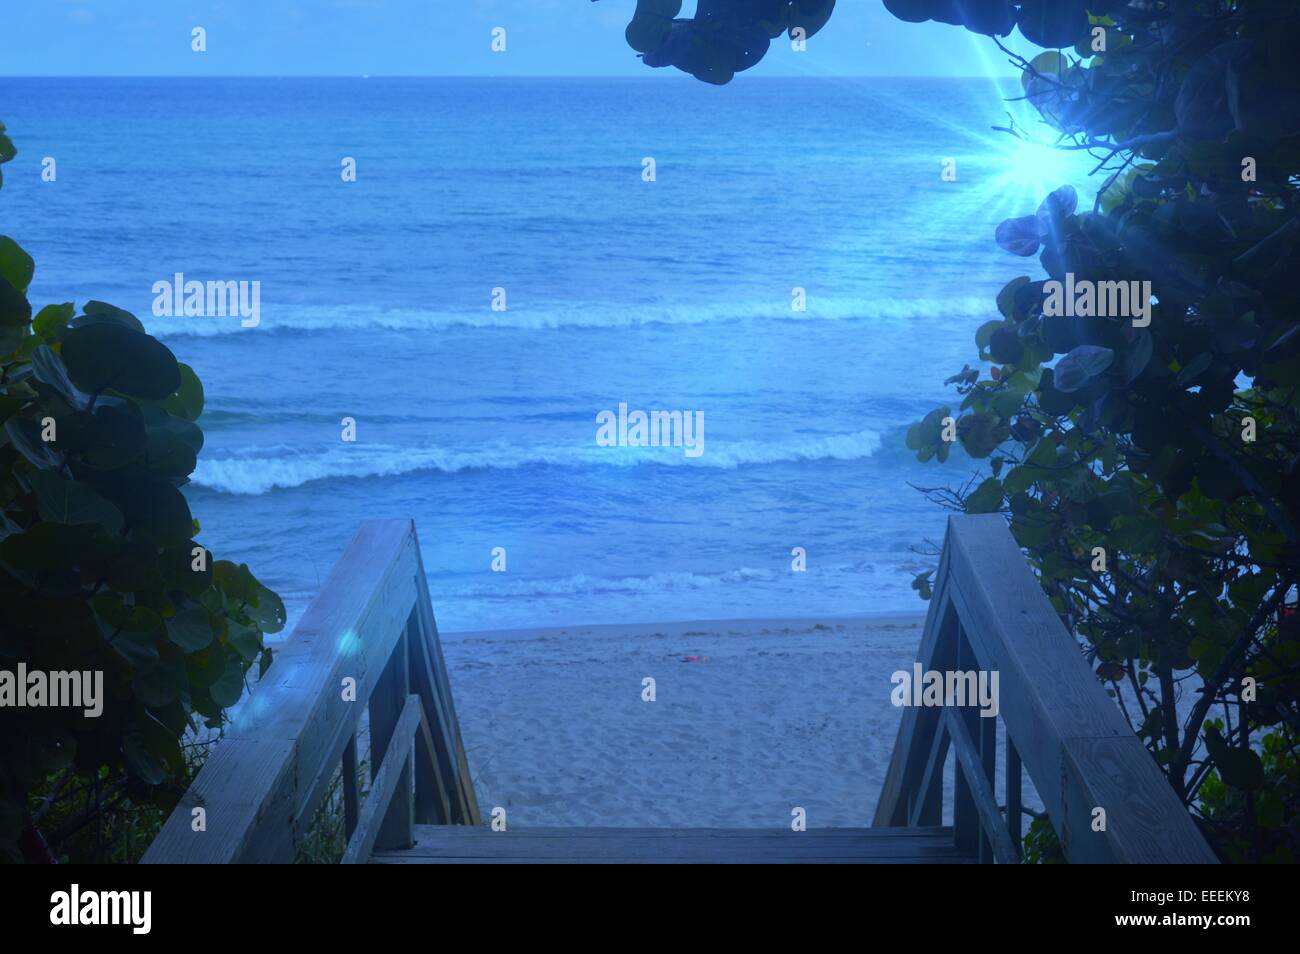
column 368, row 643
column 454, row 844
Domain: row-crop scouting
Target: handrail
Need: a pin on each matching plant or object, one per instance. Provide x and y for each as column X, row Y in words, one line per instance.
column 988, row 612
column 387, row 781
column 367, row 640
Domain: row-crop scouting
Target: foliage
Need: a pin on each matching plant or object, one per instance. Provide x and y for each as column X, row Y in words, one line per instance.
column 1040, row 845
column 100, row 571
column 724, row 37
column 1147, row 469
column 326, row 839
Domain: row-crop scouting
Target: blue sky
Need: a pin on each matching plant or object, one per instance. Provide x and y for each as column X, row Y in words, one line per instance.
column 434, row 38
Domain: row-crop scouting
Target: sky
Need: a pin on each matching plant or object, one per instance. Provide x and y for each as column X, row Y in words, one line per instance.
column 434, row 38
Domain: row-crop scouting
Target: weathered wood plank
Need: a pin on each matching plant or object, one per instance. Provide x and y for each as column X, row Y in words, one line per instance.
column 296, row 722
column 386, row 790
column 350, row 800
column 1014, row 800
column 1066, row 733
column 461, row 844
column 1048, row 695
column 433, row 799
column 1142, row 822
column 243, row 783
column 390, row 705
column 469, row 833
column 449, row 770
column 971, row 767
column 465, row 804
column 927, row 800
column 917, row 724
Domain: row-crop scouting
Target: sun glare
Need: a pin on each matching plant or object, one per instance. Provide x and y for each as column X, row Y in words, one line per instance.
column 1033, row 168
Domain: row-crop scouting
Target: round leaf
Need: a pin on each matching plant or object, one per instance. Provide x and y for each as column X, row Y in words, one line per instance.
column 110, row 355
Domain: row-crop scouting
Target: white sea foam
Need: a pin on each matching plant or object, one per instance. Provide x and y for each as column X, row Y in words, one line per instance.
column 259, row 470
column 305, row 318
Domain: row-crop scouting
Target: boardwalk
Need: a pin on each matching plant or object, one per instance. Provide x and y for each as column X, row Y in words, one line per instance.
column 460, row 844
column 372, row 629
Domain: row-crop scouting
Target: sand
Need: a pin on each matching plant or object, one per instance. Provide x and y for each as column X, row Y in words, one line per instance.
column 751, row 719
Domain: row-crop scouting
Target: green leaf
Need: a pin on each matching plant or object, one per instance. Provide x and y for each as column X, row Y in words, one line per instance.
column 154, row 508
column 67, row 501
column 246, row 640
column 172, row 442
column 143, row 764
column 26, row 438
column 163, row 740
column 1238, row 767
column 984, row 333
column 15, row 309
column 269, row 612
column 51, row 318
column 100, row 312
column 48, row 368
column 186, row 403
column 16, row 266
column 981, row 434
column 987, row 498
column 229, row 686
column 236, row 581
column 1017, row 480
column 110, row 355
column 160, row 684
column 1138, row 355
column 46, row 547
column 1007, row 297
column 1081, row 366
column 1270, row 810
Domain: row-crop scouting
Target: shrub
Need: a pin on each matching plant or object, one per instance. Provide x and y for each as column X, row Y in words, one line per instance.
column 724, row 37
column 100, row 570
column 1148, row 466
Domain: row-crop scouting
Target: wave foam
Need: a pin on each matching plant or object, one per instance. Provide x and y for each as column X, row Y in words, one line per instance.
column 259, row 470
column 308, row 318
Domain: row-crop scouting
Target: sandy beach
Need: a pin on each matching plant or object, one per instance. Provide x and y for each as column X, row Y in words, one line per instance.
column 750, row 719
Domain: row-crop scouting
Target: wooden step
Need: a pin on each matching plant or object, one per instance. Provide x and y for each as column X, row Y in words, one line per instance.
column 460, row 844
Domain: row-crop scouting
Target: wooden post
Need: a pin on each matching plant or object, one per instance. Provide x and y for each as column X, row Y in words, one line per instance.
column 928, row 810
column 386, row 704
column 1014, row 800
column 965, row 818
column 432, row 800
column 988, row 736
column 350, row 786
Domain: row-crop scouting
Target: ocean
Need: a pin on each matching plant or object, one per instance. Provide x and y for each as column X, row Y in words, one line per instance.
column 479, row 422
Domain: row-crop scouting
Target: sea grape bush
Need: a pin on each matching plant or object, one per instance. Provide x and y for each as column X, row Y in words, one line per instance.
column 724, row 37
column 1149, row 470
column 100, row 570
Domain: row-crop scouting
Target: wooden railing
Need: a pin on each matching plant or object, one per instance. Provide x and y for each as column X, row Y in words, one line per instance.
column 989, row 613
column 368, row 639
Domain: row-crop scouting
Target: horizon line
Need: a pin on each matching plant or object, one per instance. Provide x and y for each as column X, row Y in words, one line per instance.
column 535, row 76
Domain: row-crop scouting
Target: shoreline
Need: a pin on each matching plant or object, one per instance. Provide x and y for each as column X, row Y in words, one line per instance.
column 749, row 720
column 738, row 625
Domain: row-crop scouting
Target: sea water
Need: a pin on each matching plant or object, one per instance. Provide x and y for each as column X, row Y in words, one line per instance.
column 501, row 271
